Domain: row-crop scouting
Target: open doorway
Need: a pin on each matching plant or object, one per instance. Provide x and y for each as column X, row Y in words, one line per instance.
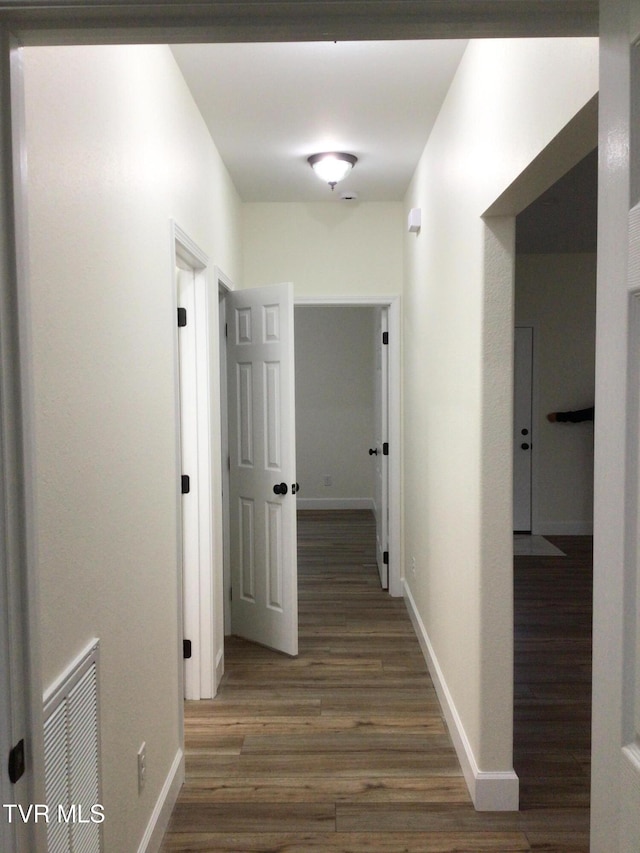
column 342, row 392
column 347, row 418
column 335, row 406
column 555, row 307
column 555, row 294
column 341, row 414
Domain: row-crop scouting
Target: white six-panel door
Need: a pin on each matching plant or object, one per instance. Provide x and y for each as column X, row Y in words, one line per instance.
column 262, row 460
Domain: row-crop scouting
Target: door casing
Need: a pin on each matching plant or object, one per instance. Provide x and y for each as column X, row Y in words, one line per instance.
column 83, row 34
column 394, row 319
column 381, row 464
column 196, row 584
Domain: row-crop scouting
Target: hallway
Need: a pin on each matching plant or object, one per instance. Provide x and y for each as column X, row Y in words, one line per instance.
column 343, row 749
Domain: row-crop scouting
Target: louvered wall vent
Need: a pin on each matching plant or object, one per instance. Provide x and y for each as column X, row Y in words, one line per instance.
column 72, row 758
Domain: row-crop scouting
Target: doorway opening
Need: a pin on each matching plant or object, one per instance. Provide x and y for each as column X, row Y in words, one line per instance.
column 323, row 411
column 341, row 414
column 555, row 288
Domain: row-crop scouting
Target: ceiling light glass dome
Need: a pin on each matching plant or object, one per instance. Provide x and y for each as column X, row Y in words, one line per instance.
column 332, row 166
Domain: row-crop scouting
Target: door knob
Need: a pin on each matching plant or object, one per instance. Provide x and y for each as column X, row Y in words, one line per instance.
column 373, row 451
column 280, row 489
column 524, row 446
column 295, row 488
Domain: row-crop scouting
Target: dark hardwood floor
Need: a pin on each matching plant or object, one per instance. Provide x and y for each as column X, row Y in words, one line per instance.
column 344, row 748
column 552, row 707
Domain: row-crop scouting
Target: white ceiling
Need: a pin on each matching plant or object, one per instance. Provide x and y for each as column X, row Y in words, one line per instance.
column 269, row 106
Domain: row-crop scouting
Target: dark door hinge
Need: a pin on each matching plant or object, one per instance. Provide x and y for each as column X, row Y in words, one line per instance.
column 226, row 330
column 185, row 484
column 182, row 317
column 385, row 558
column 186, row 649
column 385, row 448
column 16, row 762
column 385, row 337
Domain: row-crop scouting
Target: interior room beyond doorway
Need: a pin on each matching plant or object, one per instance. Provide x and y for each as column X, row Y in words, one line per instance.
column 341, row 435
column 555, row 292
column 335, row 399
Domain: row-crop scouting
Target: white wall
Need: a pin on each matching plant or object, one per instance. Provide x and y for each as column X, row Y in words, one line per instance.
column 116, row 149
column 556, row 294
column 335, row 371
column 327, row 249
column 508, row 100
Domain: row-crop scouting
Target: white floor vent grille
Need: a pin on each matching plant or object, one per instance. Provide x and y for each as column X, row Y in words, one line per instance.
column 72, row 758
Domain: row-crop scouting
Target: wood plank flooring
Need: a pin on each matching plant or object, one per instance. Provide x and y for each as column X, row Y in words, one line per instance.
column 344, row 749
column 552, row 707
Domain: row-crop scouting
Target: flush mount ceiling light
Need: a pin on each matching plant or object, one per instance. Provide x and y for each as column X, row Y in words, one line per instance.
column 332, row 166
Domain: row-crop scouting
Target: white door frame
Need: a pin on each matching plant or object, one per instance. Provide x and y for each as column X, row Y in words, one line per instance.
column 615, row 787
column 395, row 445
column 225, row 286
column 381, row 464
column 199, row 601
column 19, row 450
column 20, row 633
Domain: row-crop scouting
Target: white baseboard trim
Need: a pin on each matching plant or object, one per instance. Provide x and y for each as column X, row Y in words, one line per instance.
column 336, row 503
column 490, row 791
column 219, row 667
column 159, row 820
column 564, row 528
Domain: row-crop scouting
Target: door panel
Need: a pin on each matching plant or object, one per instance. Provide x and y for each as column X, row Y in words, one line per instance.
column 273, row 404
column 274, row 553
column 260, row 359
column 246, row 539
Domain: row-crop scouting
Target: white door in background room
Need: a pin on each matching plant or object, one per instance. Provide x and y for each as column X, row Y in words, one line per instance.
column 381, row 450
column 522, row 406
column 262, row 466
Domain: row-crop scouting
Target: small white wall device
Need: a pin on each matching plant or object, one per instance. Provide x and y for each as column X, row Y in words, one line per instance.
column 415, row 220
